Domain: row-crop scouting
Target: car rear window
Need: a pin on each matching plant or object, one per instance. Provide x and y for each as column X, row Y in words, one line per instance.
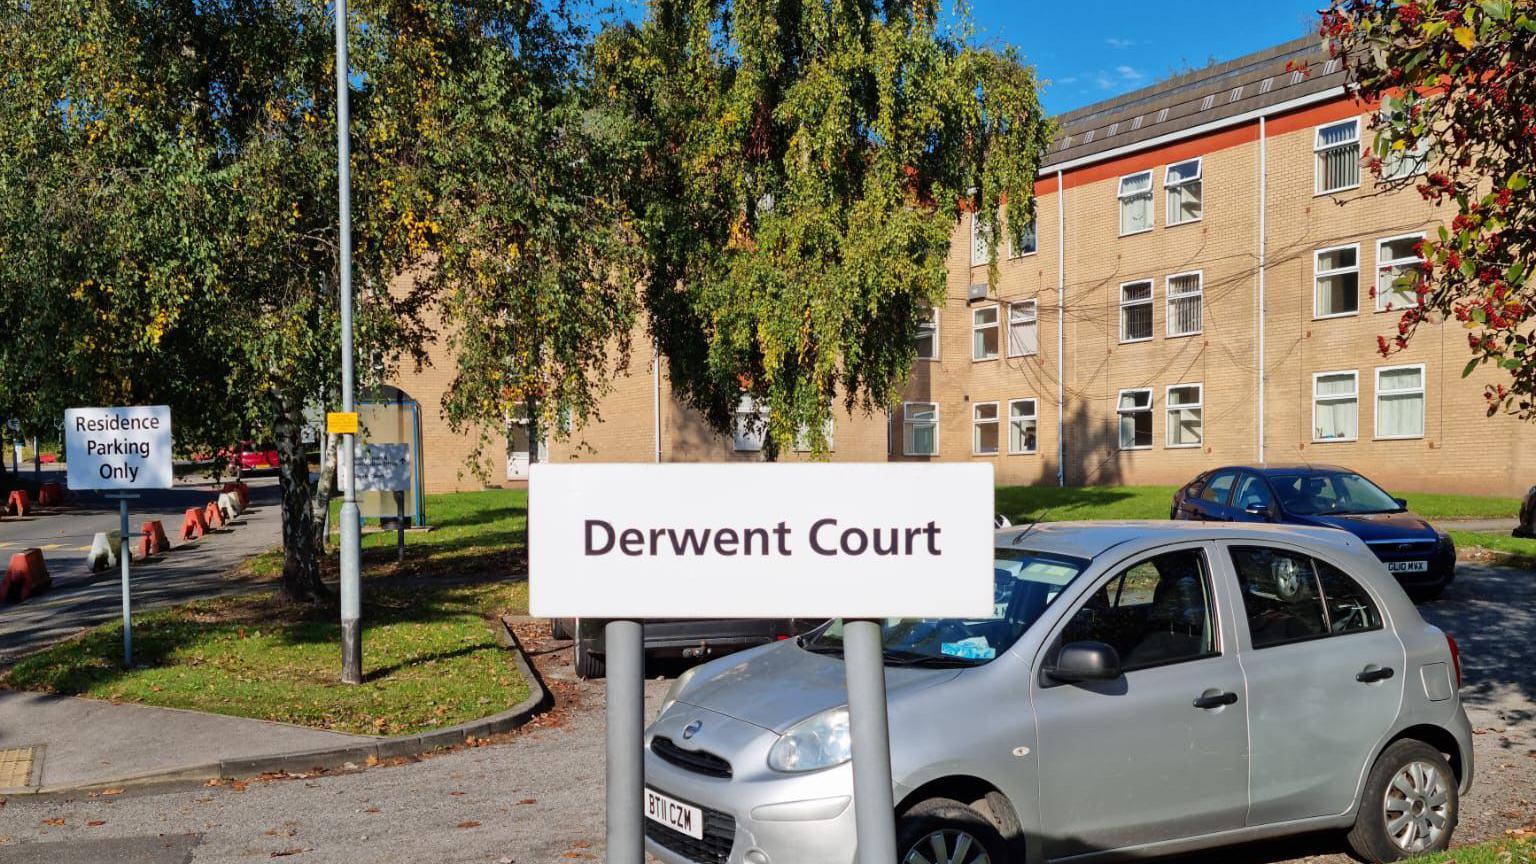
column 1291, row 597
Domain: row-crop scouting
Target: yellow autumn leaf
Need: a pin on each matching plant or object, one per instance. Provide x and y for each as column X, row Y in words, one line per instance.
column 1465, row 37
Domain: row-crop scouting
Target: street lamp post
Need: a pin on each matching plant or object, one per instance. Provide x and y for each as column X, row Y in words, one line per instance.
column 351, row 539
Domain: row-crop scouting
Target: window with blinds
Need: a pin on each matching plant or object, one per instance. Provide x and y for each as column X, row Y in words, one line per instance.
column 1335, row 406
column 1338, row 156
column 1185, row 296
column 1400, row 402
column 1023, row 329
column 920, row 429
column 1182, row 184
column 1186, row 415
column 1136, row 203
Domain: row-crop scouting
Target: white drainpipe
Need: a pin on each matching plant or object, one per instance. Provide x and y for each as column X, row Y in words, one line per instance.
column 1263, row 240
column 1061, row 330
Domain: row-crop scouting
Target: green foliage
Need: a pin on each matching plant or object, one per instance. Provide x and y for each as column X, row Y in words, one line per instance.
column 1454, row 78
column 798, row 171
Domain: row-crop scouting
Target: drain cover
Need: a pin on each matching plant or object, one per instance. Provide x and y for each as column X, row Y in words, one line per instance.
column 21, row 767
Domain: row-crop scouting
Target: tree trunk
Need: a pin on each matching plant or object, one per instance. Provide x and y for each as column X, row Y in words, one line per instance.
column 324, row 487
column 301, row 550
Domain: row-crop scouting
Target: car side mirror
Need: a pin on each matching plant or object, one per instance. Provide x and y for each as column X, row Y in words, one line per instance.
column 1401, row 502
column 1259, row 510
column 1085, row 661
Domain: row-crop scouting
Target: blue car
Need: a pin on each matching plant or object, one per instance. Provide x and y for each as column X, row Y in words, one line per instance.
column 1422, row 557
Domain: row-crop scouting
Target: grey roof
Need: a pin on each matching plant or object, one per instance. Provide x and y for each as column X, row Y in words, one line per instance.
column 1092, row 539
column 1239, row 86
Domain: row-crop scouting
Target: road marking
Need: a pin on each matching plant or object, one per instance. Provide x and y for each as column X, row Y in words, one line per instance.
column 49, row 547
column 6, row 545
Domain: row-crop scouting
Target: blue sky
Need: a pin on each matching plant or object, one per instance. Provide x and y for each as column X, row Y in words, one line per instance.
column 1091, row 50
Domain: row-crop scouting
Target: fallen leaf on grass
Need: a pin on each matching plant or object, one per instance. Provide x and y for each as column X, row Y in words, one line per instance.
column 468, row 823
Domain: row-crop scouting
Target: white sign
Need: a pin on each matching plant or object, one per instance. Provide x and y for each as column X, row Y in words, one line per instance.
column 118, row 448
column 383, row 467
column 761, row 541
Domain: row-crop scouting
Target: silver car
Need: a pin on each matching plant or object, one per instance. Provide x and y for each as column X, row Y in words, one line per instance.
column 1143, row 689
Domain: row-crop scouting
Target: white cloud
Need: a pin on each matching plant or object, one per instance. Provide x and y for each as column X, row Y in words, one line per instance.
column 1118, row 78
column 1128, row 73
column 1115, row 42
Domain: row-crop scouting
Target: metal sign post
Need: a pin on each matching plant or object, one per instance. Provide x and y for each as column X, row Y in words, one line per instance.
column 123, row 554
column 624, row 642
column 351, row 531
column 874, row 805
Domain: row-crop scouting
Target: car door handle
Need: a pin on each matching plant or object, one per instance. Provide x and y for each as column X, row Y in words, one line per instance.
column 1215, row 699
column 1372, row 674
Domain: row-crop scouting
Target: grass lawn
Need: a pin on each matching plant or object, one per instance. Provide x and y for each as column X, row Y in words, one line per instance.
column 1495, row 543
column 1513, row 851
column 430, row 658
column 428, row 649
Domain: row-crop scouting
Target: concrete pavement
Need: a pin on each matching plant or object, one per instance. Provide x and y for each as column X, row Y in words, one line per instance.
column 89, row 740
column 81, row 599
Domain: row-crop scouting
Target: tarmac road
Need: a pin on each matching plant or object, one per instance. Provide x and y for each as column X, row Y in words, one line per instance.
column 536, row 797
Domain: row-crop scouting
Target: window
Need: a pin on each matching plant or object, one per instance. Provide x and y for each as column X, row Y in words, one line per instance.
column 1153, row 613
column 1290, row 597
column 1136, row 311
column 1022, row 427
column 920, row 429
column 1182, row 184
column 803, row 441
column 928, row 337
column 749, row 427
column 1185, row 295
column 1338, row 156
column 1218, row 487
column 1025, row 243
column 984, row 333
column 1252, row 492
column 1397, row 272
column 1023, row 329
column 1336, row 280
column 1400, row 402
column 1186, row 416
column 984, row 429
column 1135, row 410
column 1398, row 160
column 1136, row 203
column 1335, row 406
column 979, row 253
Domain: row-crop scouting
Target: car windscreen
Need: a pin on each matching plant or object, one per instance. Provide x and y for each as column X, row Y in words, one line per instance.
column 1331, row 494
column 1024, row 585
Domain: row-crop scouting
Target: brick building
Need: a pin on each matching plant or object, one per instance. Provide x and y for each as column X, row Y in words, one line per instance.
column 1197, row 290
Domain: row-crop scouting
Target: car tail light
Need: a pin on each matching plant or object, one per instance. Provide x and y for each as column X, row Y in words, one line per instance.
column 1455, row 657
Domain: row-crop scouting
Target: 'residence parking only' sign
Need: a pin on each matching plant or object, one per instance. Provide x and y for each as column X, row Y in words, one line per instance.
column 118, row 448
column 760, row 541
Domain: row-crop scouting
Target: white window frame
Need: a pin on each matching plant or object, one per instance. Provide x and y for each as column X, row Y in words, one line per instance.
column 977, row 423
column 1169, row 186
column 747, row 408
column 1318, row 376
column 1395, row 262
column 1393, row 161
column 1168, row 411
column 1033, row 227
column 1169, row 297
column 1319, row 151
column 932, row 324
column 907, row 423
column 979, row 255
column 1033, row 415
column 1121, row 196
column 1034, row 318
column 1318, row 274
column 996, row 325
column 1150, row 303
column 1423, row 394
column 1121, row 412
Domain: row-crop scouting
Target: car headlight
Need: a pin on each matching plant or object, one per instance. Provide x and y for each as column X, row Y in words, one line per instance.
column 811, row 745
column 677, row 689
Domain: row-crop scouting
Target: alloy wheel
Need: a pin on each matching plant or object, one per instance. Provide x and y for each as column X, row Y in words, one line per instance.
column 947, row 846
column 1417, row 807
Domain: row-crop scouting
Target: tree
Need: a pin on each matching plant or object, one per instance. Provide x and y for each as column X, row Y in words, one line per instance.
column 795, row 175
column 1457, row 84
column 167, row 228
